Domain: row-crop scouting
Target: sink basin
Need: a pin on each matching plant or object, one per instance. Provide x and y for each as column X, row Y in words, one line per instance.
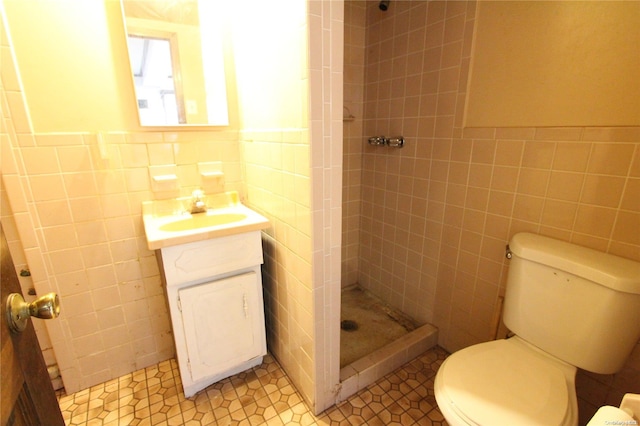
column 167, row 223
column 202, row 220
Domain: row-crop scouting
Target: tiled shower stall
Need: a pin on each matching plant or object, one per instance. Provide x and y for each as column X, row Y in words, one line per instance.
column 425, row 226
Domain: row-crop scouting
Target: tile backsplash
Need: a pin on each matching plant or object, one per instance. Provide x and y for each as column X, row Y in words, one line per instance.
column 88, row 231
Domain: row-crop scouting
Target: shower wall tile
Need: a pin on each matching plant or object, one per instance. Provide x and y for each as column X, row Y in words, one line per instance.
column 473, row 188
column 353, row 137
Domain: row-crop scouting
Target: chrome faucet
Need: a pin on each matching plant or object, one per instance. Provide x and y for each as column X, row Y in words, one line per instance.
column 197, row 203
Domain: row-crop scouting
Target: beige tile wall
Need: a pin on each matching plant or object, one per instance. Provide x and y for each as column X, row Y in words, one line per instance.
column 86, row 215
column 414, row 67
column 292, row 168
column 78, row 216
column 436, row 215
column 354, row 51
column 276, row 167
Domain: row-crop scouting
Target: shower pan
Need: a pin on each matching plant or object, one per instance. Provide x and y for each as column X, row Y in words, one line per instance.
column 375, row 339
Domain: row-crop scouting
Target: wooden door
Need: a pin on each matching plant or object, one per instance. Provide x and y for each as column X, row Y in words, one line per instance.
column 26, row 393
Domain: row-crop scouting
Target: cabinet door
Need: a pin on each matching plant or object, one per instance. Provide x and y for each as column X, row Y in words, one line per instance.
column 223, row 324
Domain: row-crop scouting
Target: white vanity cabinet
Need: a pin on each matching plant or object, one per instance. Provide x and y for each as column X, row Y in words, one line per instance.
column 214, row 291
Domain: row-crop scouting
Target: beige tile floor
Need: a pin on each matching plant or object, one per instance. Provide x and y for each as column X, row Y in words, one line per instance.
column 263, row 395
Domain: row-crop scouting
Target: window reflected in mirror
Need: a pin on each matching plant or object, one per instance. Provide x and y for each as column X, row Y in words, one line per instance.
column 153, row 76
column 177, row 68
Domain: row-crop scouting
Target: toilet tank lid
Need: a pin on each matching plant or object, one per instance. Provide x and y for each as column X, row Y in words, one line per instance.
column 612, row 271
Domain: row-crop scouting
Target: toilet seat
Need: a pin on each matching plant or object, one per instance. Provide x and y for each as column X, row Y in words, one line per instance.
column 506, row 382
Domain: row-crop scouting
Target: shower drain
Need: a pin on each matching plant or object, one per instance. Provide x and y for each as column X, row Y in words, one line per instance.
column 348, row 325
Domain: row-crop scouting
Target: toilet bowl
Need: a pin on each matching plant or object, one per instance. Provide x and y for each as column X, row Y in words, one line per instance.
column 506, row 382
column 568, row 307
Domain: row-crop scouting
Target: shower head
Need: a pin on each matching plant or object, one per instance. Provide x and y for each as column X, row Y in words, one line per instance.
column 384, row 5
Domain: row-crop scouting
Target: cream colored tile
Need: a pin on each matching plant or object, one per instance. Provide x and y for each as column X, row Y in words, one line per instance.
column 47, row 187
column 26, row 139
column 612, row 134
column 503, row 179
column 74, row 158
column 595, row 221
column 60, row 237
column 120, row 228
column 559, row 214
column 452, row 55
column 631, row 196
column 134, row 155
column 52, row 213
column 137, row 179
column 533, row 181
column 59, row 139
column 509, row 152
column 458, row 173
column 565, row 186
column 480, row 175
column 161, row 154
column 635, row 164
column 558, row 133
column 86, row 345
column 604, row 191
column 96, row 255
column 84, row 325
column 65, row 261
column 144, row 137
column 627, row 228
column 538, row 154
column 528, row 208
column 515, row 133
column 483, row 151
column 501, row 203
column 90, row 232
column 611, row 158
column 477, row 198
column 456, row 194
column 571, row 156
column 40, row 160
column 73, row 283
column 82, row 184
column 86, row 208
column 110, row 182
column 115, row 205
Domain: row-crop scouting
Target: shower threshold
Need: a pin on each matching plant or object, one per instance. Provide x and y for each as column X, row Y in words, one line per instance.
column 383, row 340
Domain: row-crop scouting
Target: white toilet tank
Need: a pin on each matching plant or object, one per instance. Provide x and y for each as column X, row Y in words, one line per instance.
column 575, row 303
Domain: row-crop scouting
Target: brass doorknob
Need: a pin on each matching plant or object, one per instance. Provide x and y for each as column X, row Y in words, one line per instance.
column 19, row 311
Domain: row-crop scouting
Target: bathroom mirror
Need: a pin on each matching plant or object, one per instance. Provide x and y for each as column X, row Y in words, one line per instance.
column 177, row 65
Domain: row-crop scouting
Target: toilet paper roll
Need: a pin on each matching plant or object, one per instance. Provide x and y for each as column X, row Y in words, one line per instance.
column 631, row 404
column 611, row 416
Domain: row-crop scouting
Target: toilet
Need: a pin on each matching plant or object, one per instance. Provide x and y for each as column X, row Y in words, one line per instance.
column 567, row 307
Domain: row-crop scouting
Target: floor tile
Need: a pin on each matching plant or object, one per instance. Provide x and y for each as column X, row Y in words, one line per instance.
column 262, row 395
